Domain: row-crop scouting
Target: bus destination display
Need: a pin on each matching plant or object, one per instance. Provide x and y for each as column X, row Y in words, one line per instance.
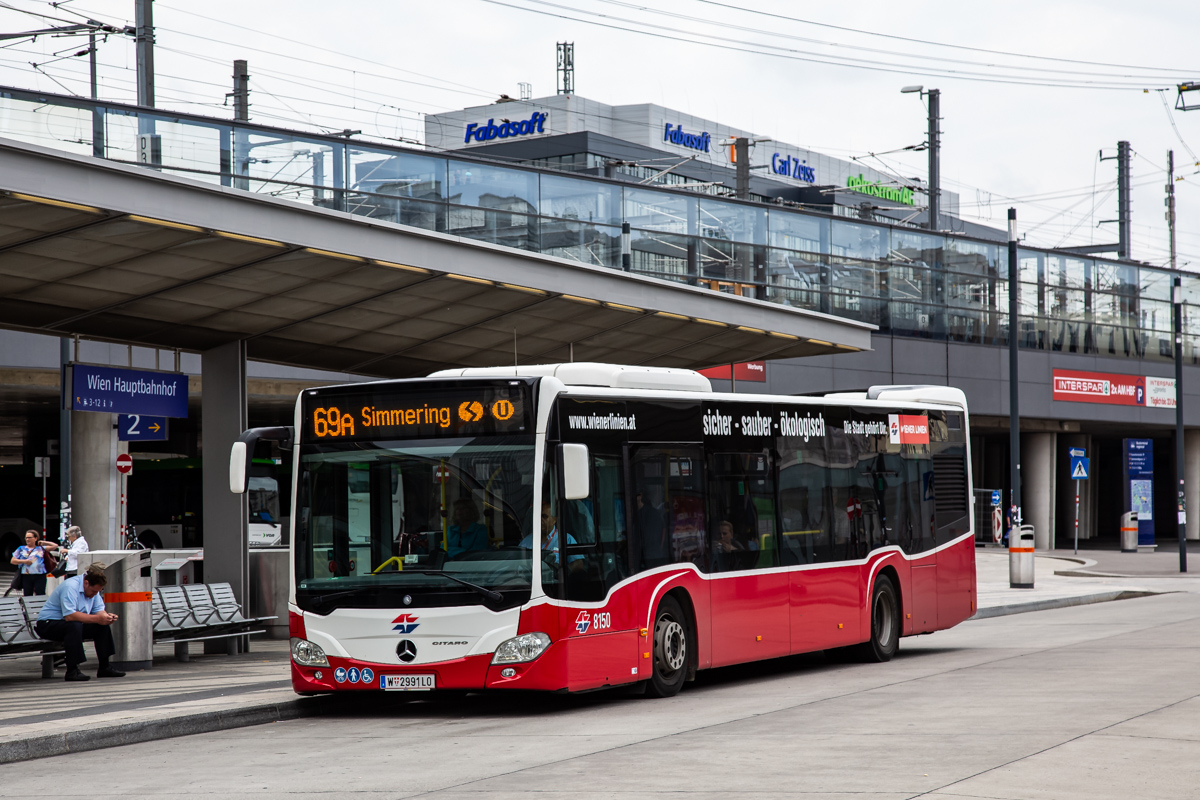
column 409, row 414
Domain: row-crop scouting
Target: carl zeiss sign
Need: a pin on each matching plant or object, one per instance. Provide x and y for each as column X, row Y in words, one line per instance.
column 127, row 391
column 794, row 168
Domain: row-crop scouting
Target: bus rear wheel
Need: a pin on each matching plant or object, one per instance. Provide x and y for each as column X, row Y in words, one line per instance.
column 885, row 623
column 669, row 669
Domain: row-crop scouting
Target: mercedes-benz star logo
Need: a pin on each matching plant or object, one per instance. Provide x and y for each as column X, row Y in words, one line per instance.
column 408, row 599
column 406, row 650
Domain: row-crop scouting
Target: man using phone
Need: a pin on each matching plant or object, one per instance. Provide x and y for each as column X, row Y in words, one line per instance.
column 75, row 612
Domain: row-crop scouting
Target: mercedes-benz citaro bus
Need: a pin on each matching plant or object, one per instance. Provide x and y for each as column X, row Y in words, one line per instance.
column 569, row 527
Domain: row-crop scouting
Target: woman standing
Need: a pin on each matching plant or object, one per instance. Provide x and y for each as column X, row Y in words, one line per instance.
column 31, row 559
column 78, row 545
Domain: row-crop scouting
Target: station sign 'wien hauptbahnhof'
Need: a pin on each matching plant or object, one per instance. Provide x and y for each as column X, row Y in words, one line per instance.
column 125, row 391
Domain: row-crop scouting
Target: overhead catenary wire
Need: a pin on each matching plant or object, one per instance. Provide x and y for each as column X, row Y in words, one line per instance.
column 371, row 107
column 736, row 45
column 932, row 43
column 1159, row 75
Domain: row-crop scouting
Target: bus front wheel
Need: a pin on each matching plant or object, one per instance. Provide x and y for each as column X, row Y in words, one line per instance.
column 885, row 622
column 669, row 669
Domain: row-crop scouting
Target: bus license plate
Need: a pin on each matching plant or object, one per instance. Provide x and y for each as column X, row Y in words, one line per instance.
column 409, row 683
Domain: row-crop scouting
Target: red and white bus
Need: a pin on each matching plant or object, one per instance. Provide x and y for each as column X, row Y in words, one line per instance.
column 574, row 526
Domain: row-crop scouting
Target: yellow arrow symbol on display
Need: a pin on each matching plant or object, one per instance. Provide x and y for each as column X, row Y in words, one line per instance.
column 155, row 427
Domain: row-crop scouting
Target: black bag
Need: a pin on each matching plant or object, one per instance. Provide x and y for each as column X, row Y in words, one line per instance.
column 16, row 584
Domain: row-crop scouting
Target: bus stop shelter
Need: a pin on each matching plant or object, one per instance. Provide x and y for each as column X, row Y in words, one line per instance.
column 127, row 254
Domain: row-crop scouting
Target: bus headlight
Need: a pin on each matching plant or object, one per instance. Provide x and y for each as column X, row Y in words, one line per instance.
column 307, row 654
column 525, row 647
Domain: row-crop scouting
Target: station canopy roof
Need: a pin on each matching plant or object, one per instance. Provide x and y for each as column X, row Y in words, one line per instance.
column 127, row 254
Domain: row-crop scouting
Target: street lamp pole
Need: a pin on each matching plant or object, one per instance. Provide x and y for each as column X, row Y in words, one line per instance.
column 1014, row 413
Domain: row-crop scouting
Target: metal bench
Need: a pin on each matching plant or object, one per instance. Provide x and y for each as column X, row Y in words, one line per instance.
column 174, row 612
column 228, row 609
column 193, row 613
column 17, row 636
column 200, row 602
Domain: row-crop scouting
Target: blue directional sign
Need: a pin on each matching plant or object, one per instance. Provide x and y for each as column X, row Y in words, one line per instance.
column 140, row 428
column 1139, row 482
column 995, row 497
column 127, row 391
column 1079, row 468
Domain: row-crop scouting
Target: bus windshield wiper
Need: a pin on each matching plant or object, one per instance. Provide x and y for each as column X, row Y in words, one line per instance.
column 488, row 593
column 322, row 599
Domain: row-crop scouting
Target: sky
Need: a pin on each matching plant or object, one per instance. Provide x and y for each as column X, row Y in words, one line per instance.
column 1023, row 125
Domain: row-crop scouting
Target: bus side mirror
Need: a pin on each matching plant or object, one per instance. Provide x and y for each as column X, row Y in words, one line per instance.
column 238, row 478
column 576, row 474
column 242, row 453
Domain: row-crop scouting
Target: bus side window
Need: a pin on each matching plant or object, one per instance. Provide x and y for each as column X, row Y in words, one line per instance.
column 553, row 536
column 742, row 516
column 804, row 514
column 668, row 507
column 597, row 547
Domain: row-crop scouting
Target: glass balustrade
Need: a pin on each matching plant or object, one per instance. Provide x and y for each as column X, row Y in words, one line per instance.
column 907, row 281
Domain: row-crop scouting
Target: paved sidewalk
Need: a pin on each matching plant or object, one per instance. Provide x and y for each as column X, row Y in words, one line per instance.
column 41, row 718
column 1053, row 589
column 1161, row 563
column 212, row 692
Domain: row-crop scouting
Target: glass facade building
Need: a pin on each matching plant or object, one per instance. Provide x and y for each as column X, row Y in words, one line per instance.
column 909, row 282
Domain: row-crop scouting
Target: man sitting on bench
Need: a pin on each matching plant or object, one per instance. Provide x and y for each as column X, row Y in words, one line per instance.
column 75, row 612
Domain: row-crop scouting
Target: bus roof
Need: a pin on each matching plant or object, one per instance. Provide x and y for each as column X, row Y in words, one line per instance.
column 587, row 373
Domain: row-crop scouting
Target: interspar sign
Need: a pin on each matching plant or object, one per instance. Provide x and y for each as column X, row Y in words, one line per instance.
column 1112, row 389
column 1160, row 392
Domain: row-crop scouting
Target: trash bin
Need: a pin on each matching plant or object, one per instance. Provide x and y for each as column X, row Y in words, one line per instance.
column 1020, row 559
column 1129, row 532
column 269, row 574
column 128, row 594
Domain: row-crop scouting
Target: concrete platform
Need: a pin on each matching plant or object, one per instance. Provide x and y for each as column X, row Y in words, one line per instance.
column 40, row 718
column 1062, row 580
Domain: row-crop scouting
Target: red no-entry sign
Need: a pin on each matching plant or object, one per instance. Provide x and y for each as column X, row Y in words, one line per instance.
column 124, row 463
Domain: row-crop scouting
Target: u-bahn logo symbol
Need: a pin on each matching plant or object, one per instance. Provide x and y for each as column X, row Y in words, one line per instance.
column 583, row 622
column 406, row 651
column 503, row 409
column 470, row 411
column 405, row 624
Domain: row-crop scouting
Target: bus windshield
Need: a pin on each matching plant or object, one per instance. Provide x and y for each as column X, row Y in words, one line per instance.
column 382, row 524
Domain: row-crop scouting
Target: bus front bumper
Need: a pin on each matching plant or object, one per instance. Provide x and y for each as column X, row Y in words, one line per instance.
column 546, row 673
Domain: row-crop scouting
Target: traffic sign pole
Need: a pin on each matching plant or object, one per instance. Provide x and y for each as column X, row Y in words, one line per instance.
column 1079, row 472
column 41, row 469
column 124, row 466
column 1077, row 517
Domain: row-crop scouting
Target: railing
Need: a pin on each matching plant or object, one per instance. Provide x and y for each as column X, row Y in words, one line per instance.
column 908, row 282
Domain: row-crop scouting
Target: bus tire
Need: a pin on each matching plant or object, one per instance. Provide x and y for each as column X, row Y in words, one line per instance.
column 885, row 623
column 670, row 649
